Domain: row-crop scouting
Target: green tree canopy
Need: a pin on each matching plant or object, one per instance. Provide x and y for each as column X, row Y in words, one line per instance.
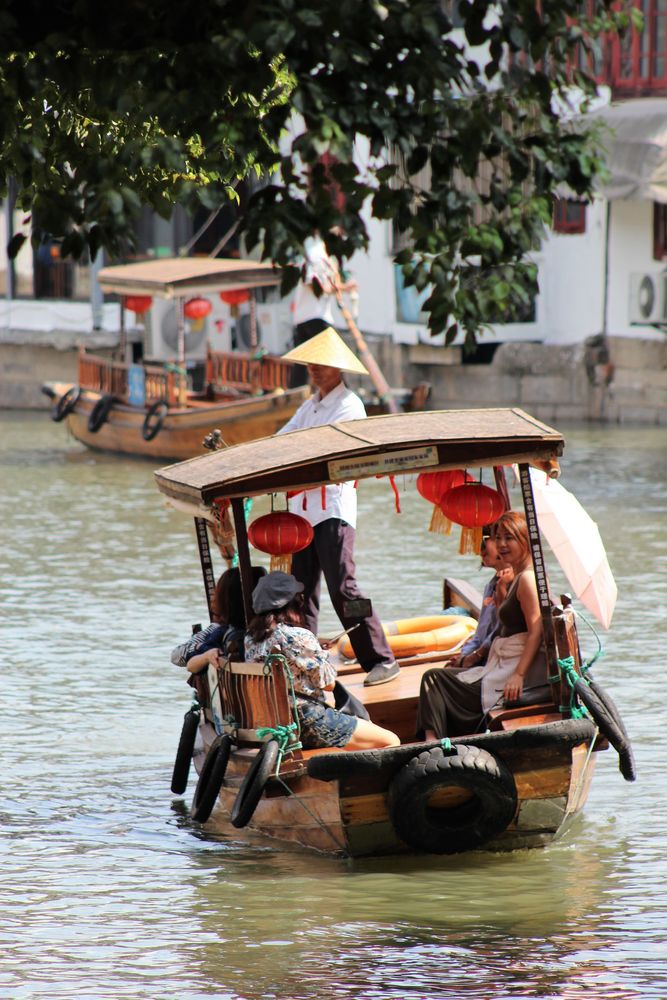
column 106, row 108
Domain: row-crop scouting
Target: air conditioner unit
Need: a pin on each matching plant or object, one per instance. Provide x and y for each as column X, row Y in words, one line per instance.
column 273, row 327
column 648, row 298
column 161, row 342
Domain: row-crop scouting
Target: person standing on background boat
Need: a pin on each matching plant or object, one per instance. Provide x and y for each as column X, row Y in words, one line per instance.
column 315, row 296
column 333, row 514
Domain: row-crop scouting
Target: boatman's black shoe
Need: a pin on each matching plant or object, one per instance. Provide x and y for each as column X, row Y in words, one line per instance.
column 381, row 673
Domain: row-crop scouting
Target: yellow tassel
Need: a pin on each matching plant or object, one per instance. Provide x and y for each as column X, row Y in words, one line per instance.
column 283, row 563
column 440, row 524
column 471, row 541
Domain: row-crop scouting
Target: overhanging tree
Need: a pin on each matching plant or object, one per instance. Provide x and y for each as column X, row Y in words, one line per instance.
column 106, row 108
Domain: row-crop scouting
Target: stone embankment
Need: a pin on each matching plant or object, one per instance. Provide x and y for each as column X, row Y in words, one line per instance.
column 612, row 379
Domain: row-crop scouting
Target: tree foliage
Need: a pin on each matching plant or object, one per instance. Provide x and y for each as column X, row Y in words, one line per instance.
column 105, row 108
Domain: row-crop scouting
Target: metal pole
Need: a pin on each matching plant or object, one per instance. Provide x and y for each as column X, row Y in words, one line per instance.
column 365, row 356
column 243, row 549
column 540, row 569
column 96, row 293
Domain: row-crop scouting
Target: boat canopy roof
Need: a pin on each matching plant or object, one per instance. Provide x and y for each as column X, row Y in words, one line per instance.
column 169, row 277
column 359, row 449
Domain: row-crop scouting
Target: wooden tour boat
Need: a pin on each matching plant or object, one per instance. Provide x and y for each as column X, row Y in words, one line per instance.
column 519, row 784
column 148, row 409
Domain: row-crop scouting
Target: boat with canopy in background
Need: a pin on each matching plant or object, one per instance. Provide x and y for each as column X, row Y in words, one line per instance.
column 518, row 784
column 149, row 409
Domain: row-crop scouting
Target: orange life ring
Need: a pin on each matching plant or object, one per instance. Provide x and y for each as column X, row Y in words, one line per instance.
column 428, row 633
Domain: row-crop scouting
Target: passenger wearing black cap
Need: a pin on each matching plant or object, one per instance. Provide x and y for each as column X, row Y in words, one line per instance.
column 277, row 626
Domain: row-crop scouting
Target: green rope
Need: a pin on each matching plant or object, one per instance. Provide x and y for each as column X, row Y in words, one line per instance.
column 568, row 671
column 446, row 743
column 284, row 735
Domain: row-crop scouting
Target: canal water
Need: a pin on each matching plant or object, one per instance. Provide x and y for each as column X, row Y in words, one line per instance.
column 108, row 890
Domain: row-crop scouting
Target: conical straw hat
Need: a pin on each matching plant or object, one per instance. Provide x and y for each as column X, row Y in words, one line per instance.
column 326, row 348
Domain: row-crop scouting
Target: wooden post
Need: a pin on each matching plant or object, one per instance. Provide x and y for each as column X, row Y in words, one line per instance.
column 206, row 564
column 540, row 569
column 243, row 549
column 365, row 356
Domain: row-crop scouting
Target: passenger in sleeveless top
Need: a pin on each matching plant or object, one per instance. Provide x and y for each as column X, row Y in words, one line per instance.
column 455, row 701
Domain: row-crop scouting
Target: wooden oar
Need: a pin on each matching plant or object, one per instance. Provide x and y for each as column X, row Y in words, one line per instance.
column 365, row 356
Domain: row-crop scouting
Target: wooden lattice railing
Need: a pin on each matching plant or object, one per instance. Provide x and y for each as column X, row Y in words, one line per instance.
column 243, row 371
column 106, row 376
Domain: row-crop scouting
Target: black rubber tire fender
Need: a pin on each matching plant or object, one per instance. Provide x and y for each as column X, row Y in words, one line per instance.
column 564, row 733
column 66, row 403
column 186, row 745
column 254, row 783
column 99, row 413
column 461, row 828
column 606, row 716
column 154, row 420
column 211, row 778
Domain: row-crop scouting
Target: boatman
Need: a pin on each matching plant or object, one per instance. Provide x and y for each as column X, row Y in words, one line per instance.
column 334, row 515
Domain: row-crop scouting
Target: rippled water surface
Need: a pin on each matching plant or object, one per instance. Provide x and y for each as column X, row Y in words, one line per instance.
column 108, row 890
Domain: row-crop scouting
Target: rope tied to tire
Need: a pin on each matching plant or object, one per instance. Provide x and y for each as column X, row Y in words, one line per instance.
column 567, row 669
column 284, row 736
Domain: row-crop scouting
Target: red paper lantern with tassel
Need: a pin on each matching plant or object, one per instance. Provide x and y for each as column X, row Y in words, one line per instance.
column 472, row 506
column 433, row 486
column 197, row 308
column 280, row 533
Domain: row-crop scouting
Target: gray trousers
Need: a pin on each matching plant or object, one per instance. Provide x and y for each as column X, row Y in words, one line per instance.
column 331, row 553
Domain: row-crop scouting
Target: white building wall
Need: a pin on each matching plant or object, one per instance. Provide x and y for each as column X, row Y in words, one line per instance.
column 631, row 252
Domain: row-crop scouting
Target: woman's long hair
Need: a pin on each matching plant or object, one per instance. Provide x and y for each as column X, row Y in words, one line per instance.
column 261, row 626
column 228, row 600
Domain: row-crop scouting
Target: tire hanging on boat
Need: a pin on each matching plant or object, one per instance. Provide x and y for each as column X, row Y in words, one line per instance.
column 211, row 778
column 186, row 745
column 464, row 825
column 154, row 420
column 254, row 784
column 66, row 403
column 100, row 412
column 606, row 716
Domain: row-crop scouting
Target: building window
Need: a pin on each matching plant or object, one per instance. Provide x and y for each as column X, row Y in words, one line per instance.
column 659, row 231
column 569, row 216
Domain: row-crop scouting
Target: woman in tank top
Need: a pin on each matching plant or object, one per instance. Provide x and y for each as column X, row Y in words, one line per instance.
column 454, row 702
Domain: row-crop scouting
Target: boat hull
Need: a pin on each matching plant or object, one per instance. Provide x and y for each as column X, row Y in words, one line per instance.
column 350, row 815
column 184, row 428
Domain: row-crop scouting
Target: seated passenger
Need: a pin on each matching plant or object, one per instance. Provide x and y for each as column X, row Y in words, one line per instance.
column 475, row 649
column 224, row 636
column 278, row 627
column 455, row 702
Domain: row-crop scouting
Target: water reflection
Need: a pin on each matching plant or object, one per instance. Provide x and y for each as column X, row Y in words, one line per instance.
column 107, row 891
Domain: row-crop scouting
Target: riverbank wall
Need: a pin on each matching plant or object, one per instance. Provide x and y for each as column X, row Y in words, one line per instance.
column 609, row 380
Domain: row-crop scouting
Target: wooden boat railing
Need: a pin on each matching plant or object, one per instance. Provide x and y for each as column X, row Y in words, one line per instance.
column 106, row 376
column 238, row 371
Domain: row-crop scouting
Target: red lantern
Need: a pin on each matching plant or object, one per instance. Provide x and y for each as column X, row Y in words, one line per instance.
column 138, row 304
column 197, row 308
column 235, row 296
column 472, row 505
column 432, row 486
column 280, row 533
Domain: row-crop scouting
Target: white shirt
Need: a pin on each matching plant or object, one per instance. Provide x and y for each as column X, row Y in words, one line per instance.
column 340, row 499
column 317, row 265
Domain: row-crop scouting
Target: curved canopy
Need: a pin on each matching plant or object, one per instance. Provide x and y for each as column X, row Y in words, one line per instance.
column 359, row 449
column 169, row 277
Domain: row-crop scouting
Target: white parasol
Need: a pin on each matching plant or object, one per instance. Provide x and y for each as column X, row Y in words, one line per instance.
column 575, row 541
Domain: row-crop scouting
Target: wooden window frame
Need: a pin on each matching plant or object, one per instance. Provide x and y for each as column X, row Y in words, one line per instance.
column 569, row 216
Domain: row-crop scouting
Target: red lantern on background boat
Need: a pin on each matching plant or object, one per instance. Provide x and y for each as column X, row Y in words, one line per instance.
column 280, row 533
column 433, row 486
column 472, row 506
column 235, row 296
column 197, row 308
column 138, row 304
